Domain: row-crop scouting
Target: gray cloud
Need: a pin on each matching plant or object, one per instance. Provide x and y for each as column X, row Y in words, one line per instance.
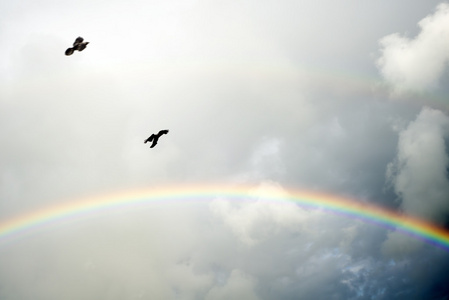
column 419, row 173
column 238, row 285
column 276, row 95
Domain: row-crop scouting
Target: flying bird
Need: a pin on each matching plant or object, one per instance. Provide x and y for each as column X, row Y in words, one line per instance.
column 79, row 45
column 154, row 137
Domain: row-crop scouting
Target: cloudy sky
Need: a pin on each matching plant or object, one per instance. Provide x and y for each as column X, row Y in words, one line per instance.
column 349, row 97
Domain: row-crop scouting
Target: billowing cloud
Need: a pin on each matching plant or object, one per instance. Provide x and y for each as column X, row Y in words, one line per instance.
column 254, row 221
column 419, row 173
column 416, row 64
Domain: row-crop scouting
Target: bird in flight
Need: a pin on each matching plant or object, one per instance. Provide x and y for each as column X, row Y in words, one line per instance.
column 154, row 137
column 79, row 45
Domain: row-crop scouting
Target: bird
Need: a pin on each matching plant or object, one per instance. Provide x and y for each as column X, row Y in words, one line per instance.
column 79, row 45
column 154, row 137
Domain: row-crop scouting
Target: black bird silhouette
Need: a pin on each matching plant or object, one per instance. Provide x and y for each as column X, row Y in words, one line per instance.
column 79, row 45
column 154, row 137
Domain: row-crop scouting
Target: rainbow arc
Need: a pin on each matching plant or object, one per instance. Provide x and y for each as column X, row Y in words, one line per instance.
column 390, row 219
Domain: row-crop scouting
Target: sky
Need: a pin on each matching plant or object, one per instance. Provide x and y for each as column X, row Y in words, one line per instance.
column 348, row 98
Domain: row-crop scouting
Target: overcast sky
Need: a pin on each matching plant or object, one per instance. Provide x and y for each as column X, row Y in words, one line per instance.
column 345, row 97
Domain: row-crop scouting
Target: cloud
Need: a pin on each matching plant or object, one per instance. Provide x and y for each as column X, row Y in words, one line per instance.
column 266, row 159
column 253, row 221
column 417, row 64
column 254, row 92
column 419, row 173
column 238, row 286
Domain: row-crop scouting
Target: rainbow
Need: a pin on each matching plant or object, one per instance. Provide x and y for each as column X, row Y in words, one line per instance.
column 409, row 225
column 339, row 81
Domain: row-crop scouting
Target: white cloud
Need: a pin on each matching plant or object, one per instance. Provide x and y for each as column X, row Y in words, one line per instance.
column 417, row 64
column 253, row 221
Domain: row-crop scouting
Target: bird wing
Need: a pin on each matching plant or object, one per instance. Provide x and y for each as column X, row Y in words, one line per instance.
column 82, row 46
column 150, row 139
column 165, row 131
column 78, row 40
